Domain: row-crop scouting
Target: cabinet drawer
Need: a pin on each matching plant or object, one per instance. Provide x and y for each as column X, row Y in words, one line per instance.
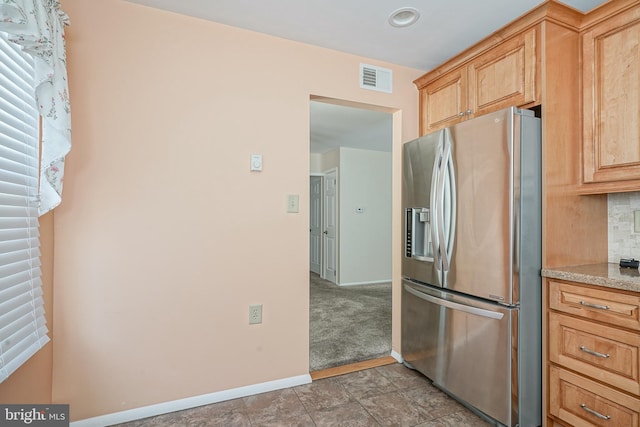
column 580, row 402
column 601, row 352
column 604, row 306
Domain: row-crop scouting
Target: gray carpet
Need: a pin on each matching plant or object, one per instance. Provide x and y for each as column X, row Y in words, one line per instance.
column 348, row 324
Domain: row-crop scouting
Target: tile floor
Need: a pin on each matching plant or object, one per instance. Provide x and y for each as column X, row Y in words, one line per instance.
column 390, row 395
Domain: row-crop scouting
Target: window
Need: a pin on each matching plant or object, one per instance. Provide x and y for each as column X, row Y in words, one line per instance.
column 23, row 329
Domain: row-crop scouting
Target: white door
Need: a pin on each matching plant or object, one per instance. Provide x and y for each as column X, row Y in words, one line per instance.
column 330, row 216
column 315, row 224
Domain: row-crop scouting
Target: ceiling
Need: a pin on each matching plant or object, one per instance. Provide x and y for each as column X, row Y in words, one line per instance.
column 361, row 27
column 335, row 126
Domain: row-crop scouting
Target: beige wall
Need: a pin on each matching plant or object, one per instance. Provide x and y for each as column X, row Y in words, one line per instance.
column 165, row 237
column 31, row 383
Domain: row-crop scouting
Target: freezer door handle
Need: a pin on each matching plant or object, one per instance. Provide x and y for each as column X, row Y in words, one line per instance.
column 454, row 305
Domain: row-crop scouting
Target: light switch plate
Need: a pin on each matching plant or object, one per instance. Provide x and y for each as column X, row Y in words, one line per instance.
column 256, row 162
column 636, row 221
column 293, row 203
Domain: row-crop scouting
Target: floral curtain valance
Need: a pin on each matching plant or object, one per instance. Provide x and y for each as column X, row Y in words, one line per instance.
column 38, row 27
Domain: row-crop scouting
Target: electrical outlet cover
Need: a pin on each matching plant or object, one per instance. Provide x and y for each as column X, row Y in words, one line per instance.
column 255, row 314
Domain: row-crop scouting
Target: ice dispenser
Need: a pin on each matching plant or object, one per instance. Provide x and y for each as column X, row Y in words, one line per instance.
column 418, row 243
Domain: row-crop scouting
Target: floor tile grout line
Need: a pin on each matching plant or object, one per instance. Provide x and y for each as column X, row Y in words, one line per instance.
column 306, row 410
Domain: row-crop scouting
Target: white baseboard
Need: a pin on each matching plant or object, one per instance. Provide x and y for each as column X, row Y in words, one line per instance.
column 371, row 282
column 191, row 402
column 397, row 356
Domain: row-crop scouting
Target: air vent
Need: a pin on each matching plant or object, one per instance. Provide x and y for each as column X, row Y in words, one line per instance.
column 375, row 78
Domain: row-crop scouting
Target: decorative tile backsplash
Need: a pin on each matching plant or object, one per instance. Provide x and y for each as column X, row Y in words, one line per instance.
column 623, row 241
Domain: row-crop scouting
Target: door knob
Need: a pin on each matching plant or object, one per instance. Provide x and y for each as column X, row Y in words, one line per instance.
column 325, row 232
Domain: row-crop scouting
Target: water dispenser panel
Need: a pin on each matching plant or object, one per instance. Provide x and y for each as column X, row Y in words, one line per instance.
column 418, row 243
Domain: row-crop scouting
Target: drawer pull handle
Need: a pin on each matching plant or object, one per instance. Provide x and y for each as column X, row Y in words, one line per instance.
column 592, row 412
column 598, row 306
column 594, row 353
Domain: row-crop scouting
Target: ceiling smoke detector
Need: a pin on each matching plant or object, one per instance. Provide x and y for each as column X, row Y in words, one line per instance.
column 404, row 17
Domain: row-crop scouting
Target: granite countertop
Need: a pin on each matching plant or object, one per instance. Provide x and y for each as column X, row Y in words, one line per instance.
column 608, row 275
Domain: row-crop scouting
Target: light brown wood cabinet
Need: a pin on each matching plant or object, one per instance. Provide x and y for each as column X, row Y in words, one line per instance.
column 581, row 402
column 611, row 103
column 502, row 76
column 593, row 355
column 443, row 102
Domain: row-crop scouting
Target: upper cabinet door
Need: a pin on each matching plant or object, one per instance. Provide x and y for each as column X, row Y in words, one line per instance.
column 504, row 76
column 443, row 102
column 611, row 115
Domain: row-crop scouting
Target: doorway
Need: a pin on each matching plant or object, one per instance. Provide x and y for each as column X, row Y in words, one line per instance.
column 350, row 232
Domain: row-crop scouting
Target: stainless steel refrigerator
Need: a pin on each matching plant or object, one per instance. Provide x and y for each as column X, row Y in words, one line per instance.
column 471, row 291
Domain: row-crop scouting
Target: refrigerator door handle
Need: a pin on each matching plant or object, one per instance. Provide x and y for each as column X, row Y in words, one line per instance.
column 454, row 305
column 435, row 176
column 446, row 202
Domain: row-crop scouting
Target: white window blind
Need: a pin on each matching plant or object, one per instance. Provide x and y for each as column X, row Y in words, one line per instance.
column 23, row 329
